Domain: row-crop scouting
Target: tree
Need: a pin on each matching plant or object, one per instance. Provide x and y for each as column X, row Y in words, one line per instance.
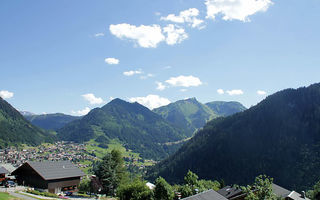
column 136, row 190
column 163, row 190
column 191, row 178
column 85, row 185
column 111, row 172
column 315, row 193
column 261, row 189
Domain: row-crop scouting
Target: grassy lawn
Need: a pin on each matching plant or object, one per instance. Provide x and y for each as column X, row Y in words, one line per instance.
column 6, row 196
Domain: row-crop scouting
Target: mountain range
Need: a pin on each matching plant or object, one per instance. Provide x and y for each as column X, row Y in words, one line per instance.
column 279, row 137
column 50, row 121
column 15, row 129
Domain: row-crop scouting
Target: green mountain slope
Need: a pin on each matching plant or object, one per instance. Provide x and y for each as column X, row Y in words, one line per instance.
column 50, row 121
column 223, row 108
column 187, row 114
column 279, row 137
column 138, row 128
column 15, row 129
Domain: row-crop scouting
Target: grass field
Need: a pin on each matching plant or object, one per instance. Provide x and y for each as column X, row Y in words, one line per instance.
column 6, row 196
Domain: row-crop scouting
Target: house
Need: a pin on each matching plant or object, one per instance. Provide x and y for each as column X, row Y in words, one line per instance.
column 206, row 195
column 287, row 194
column 232, row 193
column 50, row 176
column 3, row 173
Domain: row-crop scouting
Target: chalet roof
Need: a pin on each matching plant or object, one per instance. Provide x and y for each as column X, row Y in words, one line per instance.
column 296, row 196
column 3, row 170
column 280, row 191
column 8, row 167
column 229, row 192
column 50, row 170
column 207, row 195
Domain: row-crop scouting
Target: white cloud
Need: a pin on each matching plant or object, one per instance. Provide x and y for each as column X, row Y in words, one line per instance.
column 261, row 92
column 174, row 34
column 183, row 90
column 92, row 99
column 131, row 73
column 111, row 61
column 187, row 16
column 144, row 36
column 6, row 94
column 160, row 86
column 151, row 101
column 234, row 92
column 85, row 111
column 236, row 9
column 147, row 76
column 167, row 67
column 99, row 35
column 184, row 81
column 220, row 91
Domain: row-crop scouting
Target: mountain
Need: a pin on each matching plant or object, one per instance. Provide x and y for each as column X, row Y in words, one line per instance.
column 15, row 129
column 138, row 128
column 279, row 137
column 223, row 108
column 187, row 114
column 26, row 113
column 50, row 121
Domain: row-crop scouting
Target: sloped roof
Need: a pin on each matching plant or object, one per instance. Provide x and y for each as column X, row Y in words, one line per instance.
column 280, row 191
column 3, row 170
column 207, row 195
column 8, row 167
column 230, row 192
column 50, row 170
column 296, row 196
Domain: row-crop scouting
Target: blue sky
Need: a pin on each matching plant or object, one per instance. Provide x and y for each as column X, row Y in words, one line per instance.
column 53, row 53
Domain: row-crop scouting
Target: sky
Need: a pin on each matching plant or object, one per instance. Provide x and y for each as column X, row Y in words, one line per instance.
column 72, row 56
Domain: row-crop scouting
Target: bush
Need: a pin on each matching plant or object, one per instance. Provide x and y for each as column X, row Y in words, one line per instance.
column 46, row 194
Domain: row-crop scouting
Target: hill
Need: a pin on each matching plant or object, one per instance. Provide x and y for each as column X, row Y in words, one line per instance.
column 223, row 108
column 50, row 121
column 15, row 129
column 279, row 137
column 187, row 114
column 138, row 128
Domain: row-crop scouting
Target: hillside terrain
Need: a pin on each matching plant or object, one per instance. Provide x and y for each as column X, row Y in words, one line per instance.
column 279, row 137
column 50, row 121
column 15, row 129
column 224, row 108
column 190, row 114
column 138, row 128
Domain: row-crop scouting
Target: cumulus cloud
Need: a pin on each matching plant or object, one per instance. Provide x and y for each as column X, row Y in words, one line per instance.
column 111, row 61
column 261, row 92
column 234, row 92
column 85, row 111
column 144, row 36
column 6, row 94
column 132, row 72
column 183, row 90
column 160, row 86
column 151, row 101
column 187, row 16
column 147, row 76
column 92, row 99
column 184, row 81
column 99, row 35
column 236, row 9
column 174, row 34
column 220, row 91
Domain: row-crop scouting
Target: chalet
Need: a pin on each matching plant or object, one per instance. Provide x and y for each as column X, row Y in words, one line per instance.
column 3, row 173
column 206, row 195
column 232, row 193
column 50, row 176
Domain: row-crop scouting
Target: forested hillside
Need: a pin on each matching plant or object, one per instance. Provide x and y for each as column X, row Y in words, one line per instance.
column 15, row 129
column 50, row 121
column 279, row 137
column 138, row 128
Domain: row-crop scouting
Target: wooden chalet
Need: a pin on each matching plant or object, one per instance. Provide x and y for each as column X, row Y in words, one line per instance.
column 206, row 195
column 51, row 176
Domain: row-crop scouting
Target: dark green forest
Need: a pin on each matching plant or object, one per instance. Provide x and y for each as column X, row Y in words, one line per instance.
column 138, row 128
column 51, row 121
column 279, row 137
column 16, row 130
